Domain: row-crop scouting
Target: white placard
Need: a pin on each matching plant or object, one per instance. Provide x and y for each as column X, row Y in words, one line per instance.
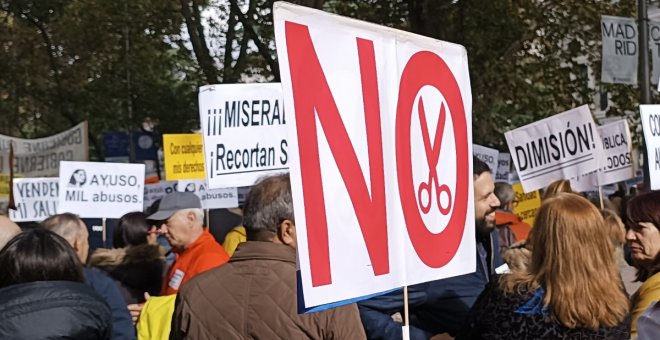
column 92, row 189
column 42, row 156
column 244, row 130
column 379, row 125
column 616, row 163
column 503, row 167
column 210, row 198
column 650, row 115
column 487, row 155
column 563, row 146
column 620, row 50
column 156, row 191
column 654, row 45
column 36, row 199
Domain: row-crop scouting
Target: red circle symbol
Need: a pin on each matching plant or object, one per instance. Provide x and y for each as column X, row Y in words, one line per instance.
column 426, row 68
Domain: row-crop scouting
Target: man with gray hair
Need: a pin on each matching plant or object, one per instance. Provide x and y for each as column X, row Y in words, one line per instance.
column 73, row 229
column 511, row 227
column 181, row 221
column 254, row 295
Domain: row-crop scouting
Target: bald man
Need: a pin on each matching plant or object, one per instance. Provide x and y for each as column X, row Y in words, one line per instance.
column 8, row 230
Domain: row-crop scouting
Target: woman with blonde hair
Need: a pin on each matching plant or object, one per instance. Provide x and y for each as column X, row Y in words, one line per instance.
column 558, row 186
column 571, row 288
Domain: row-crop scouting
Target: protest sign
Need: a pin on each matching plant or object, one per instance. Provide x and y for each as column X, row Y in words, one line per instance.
column 650, row 116
column 36, row 199
column 503, row 167
column 654, row 44
column 563, row 146
column 617, row 148
column 41, row 157
column 620, row 50
column 244, row 130
column 92, row 189
column 487, row 155
column 210, row 198
column 184, row 156
column 527, row 204
column 156, row 191
column 366, row 103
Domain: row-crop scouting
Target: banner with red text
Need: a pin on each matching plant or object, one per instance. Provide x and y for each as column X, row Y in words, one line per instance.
column 379, row 127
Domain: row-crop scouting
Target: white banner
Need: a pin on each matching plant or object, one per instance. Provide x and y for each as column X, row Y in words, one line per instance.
column 210, row 198
column 244, row 130
column 92, row 189
column 487, row 155
column 379, row 125
column 650, row 115
column 42, row 156
column 503, row 167
column 654, row 45
column 620, row 50
column 563, row 146
column 36, row 199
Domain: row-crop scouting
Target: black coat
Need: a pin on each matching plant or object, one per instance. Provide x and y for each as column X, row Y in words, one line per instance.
column 53, row 310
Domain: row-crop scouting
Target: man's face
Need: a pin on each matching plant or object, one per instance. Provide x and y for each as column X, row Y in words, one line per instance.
column 178, row 229
column 485, row 201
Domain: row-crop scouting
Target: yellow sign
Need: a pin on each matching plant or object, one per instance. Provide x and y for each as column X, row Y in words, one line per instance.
column 184, row 156
column 527, row 204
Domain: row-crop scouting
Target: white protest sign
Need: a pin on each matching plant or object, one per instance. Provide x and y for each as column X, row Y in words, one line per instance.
column 650, row 115
column 93, row 189
column 563, row 146
column 487, row 155
column 503, row 167
column 42, row 156
column 654, row 45
column 244, row 130
column 616, row 163
column 366, row 103
column 617, row 148
column 36, row 199
column 156, row 191
column 620, row 50
column 210, row 198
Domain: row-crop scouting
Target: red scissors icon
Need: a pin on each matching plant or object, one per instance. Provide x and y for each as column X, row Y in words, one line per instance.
column 432, row 156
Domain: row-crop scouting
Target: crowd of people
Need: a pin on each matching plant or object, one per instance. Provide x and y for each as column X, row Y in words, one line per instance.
column 558, row 279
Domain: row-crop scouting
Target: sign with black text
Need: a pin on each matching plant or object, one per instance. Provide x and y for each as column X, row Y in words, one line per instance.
column 503, row 167
column 487, row 155
column 563, row 146
column 244, row 132
column 36, row 199
column 650, row 116
column 620, row 50
column 210, row 198
column 41, row 157
column 93, row 189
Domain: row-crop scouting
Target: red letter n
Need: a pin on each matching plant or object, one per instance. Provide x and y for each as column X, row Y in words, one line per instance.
column 312, row 98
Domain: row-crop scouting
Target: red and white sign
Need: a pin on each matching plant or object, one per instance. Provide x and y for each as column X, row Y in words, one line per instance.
column 381, row 166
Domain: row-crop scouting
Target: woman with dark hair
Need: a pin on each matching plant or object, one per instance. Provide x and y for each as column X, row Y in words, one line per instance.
column 643, row 237
column 571, row 289
column 136, row 261
column 41, row 291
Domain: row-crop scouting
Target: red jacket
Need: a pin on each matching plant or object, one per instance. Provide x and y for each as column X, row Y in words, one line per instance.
column 203, row 254
column 519, row 228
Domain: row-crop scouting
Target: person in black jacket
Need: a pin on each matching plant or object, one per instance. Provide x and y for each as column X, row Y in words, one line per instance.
column 441, row 306
column 41, row 292
column 73, row 230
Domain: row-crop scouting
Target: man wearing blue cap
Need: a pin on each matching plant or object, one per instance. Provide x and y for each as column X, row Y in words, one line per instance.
column 181, row 217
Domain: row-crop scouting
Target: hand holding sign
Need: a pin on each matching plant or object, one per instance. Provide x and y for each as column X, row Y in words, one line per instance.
column 432, row 155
